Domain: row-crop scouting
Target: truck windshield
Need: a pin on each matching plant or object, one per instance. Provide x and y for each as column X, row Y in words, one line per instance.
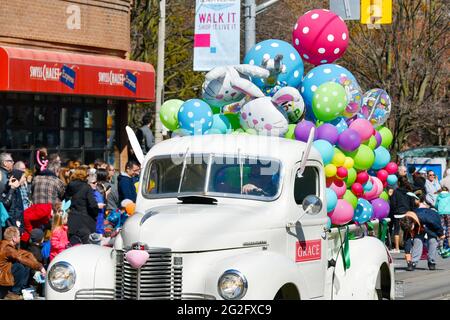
column 205, row 174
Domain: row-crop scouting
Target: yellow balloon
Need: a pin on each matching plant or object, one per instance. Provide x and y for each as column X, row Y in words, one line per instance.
column 330, row 170
column 349, row 162
column 338, row 159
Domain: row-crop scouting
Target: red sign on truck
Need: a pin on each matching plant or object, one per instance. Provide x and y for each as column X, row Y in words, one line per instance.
column 308, row 250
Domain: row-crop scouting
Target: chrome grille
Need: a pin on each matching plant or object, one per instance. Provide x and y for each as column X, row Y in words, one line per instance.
column 95, row 294
column 158, row 278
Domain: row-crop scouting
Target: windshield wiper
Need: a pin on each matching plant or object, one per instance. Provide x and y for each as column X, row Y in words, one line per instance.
column 183, row 170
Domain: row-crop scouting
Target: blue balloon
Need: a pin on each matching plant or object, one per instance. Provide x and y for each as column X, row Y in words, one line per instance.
column 221, row 124
column 392, row 179
column 331, row 198
column 319, row 75
column 368, row 186
column 340, row 124
column 382, row 158
column 325, row 149
column 363, row 211
column 291, row 59
column 328, row 225
column 195, row 116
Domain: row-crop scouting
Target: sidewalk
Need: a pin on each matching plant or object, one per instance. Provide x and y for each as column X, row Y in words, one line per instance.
column 422, row 283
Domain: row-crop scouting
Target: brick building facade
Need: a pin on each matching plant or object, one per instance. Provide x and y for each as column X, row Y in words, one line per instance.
column 65, row 81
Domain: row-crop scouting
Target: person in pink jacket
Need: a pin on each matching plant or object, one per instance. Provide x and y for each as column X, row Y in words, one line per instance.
column 59, row 240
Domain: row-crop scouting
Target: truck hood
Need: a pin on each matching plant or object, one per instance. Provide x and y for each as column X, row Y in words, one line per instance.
column 199, row 227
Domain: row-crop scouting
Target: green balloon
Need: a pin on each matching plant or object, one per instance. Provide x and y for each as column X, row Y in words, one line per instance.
column 215, row 110
column 386, row 137
column 351, row 198
column 371, row 143
column 351, row 177
column 290, row 133
column 384, row 195
column 364, row 157
column 329, row 101
column 234, row 120
column 169, row 113
column 251, row 131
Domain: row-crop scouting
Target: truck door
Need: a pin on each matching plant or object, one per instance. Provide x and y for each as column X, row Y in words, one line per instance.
column 306, row 241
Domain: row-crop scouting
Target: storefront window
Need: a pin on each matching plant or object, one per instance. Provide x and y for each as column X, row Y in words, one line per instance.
column 76, row 127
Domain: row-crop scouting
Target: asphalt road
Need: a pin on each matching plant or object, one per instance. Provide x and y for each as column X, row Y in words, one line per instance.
column 422, row 283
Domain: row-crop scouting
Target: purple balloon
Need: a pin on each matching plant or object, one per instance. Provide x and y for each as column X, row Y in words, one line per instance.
column 349, row 140
column 302, row 130
column 378, row 138
column 328, row 132
column 380, row 208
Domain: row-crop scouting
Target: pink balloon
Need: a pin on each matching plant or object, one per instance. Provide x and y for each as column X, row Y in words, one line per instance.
column 339, row 187
column 357, row 189
column 376, row 189
column 320, row 36
column 342, row 172
column 391, row 168
column 382, row 175
column 342, row 213
column 363, row 127
column 362, row 177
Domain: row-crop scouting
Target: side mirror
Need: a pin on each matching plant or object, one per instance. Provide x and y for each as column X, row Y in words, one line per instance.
column 312, row 205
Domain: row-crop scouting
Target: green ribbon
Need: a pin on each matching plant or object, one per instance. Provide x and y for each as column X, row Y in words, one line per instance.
column 382, row 230
column 345, row 249
column 369, row 226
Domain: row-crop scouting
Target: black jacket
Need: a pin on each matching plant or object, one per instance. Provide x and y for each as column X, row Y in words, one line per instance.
column 400, row 202
column 83, row 211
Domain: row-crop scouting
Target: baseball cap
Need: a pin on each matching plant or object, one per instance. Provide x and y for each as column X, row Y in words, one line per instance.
column 36, row 235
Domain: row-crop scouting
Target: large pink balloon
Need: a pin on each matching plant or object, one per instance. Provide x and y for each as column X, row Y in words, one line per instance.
column 320, row 36
column 342, row 213
column 376, row 189
column 363, row 127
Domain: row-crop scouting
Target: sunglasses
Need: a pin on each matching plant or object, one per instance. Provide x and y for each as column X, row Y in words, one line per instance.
column 431, row 175
column 95, row 182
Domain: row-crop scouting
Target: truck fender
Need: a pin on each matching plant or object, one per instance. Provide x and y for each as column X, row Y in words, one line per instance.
column 266, row 272
column 370, row 264
column 94, row 267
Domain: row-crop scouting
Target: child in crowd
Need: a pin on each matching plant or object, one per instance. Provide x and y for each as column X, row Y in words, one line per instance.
column 443, row 207
column 116, row 218
column 60, row 239
column 35, row 247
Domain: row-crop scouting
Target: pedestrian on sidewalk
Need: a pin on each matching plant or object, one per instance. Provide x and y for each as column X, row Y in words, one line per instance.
column 416, row 225
column 443, row 207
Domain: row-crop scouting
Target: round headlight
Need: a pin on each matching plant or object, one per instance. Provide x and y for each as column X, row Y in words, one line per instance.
column 61, row 276
column 232, row 285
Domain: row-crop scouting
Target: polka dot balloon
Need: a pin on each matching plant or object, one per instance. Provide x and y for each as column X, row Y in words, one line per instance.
column 291, row 59
column 320, row 36
column 329, row 101
column 195, row 116
column 363, row 211
column 319, row 75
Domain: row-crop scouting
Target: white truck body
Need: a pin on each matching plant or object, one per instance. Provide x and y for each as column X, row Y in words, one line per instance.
column 281, row 251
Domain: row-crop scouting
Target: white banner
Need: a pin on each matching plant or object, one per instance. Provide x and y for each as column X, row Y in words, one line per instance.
column 217, row 33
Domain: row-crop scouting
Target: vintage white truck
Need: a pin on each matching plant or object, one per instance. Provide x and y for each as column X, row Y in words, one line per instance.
column 227, row 217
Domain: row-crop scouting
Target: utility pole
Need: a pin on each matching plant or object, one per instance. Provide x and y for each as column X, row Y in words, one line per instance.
column 251, row 10
column 160, row 70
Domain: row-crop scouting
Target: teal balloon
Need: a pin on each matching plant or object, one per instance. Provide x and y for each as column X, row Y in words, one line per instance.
column 368, row 186
column 382, row 158
column 331, row 199
column 213, row 131
column 221, row 123
column 392, row 179
column 325, row 149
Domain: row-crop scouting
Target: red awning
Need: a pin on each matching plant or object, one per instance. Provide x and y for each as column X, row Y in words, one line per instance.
column 29, row 70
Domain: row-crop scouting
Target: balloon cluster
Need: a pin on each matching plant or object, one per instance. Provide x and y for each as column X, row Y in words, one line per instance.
column 269, row 95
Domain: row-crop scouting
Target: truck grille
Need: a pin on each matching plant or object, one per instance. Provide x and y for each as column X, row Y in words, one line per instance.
column 158, row 278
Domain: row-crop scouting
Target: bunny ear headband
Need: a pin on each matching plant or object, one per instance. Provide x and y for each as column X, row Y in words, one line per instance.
column 65, row 206
column 42, row 163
